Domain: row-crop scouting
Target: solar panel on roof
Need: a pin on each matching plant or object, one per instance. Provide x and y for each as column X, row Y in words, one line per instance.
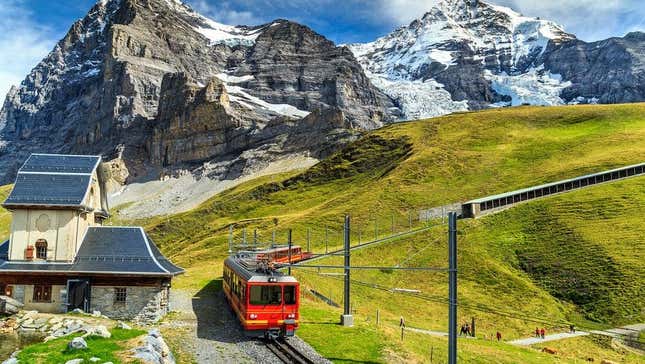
column 60, row 163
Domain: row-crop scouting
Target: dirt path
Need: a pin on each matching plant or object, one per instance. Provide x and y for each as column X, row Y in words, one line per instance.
column 619, row 332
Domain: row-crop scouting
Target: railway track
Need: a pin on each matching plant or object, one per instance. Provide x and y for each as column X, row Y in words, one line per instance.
column 287, row 353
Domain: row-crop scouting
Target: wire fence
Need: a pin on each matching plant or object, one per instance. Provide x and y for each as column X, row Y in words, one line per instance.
column 325, row 237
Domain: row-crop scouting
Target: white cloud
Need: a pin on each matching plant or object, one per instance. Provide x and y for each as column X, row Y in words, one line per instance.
column 224, row 12
column 23, row 43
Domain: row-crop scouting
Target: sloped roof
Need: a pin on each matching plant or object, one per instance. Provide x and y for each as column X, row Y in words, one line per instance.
column 107, row 250
column 53, row 180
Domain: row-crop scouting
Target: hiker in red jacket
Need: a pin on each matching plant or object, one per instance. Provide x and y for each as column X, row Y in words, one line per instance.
column 542, row 332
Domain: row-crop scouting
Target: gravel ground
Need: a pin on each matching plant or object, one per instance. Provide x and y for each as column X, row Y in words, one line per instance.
column 213, row 334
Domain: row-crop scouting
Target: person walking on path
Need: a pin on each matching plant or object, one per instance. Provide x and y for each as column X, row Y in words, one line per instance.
column 537, row 332
column 542, row 332
column 402, row 322
column 572, row 329
column 499, row 336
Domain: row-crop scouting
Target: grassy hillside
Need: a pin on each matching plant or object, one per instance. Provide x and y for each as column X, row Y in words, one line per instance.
column 5, row 216
column 412, row 165
column 521, row 262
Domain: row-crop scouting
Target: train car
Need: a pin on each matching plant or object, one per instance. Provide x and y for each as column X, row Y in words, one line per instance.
column 265, row 301
column 280, row 254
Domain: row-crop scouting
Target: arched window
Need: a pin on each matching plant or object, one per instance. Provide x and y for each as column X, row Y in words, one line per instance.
column 41, row 249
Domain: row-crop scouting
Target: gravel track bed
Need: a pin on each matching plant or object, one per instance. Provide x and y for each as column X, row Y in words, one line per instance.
column 213, row 334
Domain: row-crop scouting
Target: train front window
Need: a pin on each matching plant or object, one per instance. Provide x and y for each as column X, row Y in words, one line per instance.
column 289, row 295
column 265, row 295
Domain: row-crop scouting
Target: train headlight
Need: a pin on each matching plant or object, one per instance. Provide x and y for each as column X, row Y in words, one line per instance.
column 253, row 316
column 291, row 315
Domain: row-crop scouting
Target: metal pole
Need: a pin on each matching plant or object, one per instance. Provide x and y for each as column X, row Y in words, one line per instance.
column 452, row 288
column 410, row 220
column 289, row 240
column 326, row 240
column 347, row 318
column 244, row 236
column 255, row 237
column 392, row 224
column 273, row 237
column 472, row 327
column 308, row 240
column 230, row 238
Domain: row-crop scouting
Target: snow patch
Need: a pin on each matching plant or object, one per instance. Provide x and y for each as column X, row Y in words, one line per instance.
column 242, row 97
column 420, row 99
column 218, row 33
column 536, row 87
column 225, row 77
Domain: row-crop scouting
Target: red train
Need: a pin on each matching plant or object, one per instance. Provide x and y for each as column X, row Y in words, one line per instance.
column 280, row 254
column 265, row 301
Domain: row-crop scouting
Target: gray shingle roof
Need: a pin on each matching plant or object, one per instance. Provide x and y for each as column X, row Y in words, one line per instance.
column 59, row 163
column 107, row 250
column 53, row 180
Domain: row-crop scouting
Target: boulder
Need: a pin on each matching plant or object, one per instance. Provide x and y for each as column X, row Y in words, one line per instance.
column 78, row 343
column 99, row 330
column 74, row 361
column 10, row 306
column 123, row 325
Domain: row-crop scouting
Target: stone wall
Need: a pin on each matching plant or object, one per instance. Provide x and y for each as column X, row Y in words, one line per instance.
column 146, row 304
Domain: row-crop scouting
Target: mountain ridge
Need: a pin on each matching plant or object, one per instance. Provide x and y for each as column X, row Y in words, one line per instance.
column 467, row 55
column 99, row 91
column 234, row 99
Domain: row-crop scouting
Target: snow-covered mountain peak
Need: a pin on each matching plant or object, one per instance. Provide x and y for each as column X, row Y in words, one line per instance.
column 453, row 37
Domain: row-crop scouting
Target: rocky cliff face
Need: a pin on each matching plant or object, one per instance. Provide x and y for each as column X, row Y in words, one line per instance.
column 469, row 54
column 170, row 88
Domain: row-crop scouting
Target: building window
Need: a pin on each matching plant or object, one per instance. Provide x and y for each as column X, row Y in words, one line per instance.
column 42, row 293
column 120, row 295
column 41, row 249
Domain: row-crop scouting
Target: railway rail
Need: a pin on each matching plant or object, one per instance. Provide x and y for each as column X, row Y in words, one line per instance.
column 287, row 353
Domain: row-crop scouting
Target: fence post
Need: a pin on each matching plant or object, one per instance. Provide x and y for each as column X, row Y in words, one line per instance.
column 273, row 238
column 289, row 241
column 472, row 327
column 375, row 228
column 326, row 240
column 308, row 240
column 230, row 239
column 255, row 237
column 410, row 219
column 392, row 224
column 244, row 236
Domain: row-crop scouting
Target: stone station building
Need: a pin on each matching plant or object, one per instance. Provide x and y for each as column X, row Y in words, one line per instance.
column 59, row 257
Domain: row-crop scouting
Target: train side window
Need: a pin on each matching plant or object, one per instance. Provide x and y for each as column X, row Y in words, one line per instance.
column 289, row 295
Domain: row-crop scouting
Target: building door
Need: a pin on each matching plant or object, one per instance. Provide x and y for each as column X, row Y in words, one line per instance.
column 78, row 294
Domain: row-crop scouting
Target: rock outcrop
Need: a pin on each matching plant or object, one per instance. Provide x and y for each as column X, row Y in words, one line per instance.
column 165, row 87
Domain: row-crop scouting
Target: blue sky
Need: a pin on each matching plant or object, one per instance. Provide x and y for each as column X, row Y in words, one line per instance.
column 30, row 28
